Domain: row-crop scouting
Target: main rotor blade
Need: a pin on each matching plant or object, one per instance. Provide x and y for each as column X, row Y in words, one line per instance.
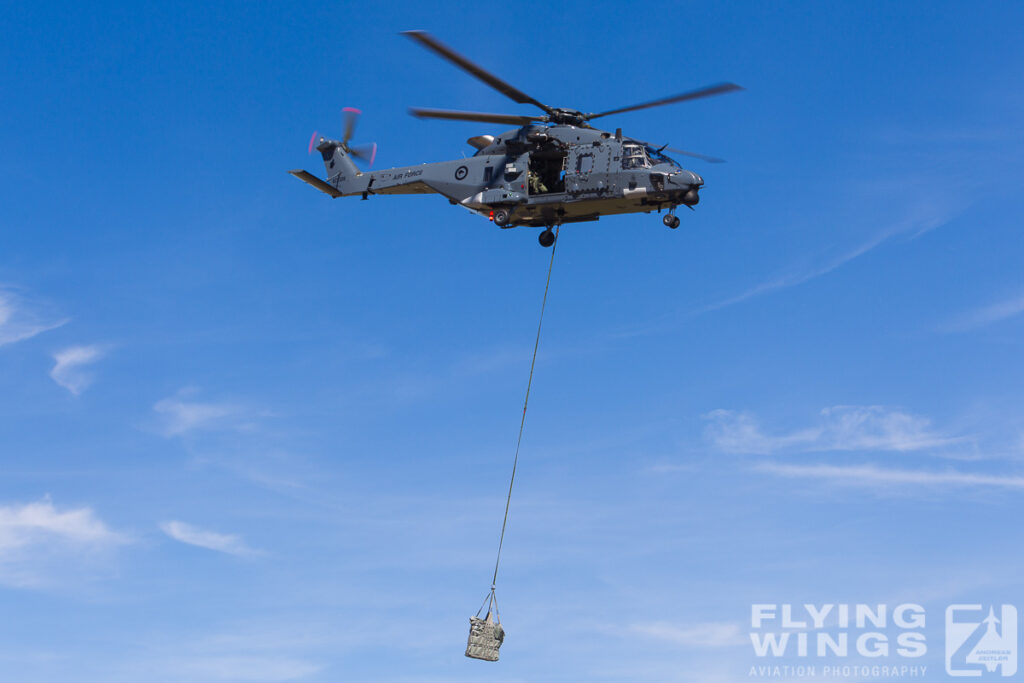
column 474, row 116
column 719, row 89
column 431, row 43
column 702, row 157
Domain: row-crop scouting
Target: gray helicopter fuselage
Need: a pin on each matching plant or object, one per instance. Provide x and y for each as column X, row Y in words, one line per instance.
column 539, row 175
column 555, row 168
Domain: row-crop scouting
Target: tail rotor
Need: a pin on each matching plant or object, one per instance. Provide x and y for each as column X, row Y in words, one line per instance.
column 365, row 153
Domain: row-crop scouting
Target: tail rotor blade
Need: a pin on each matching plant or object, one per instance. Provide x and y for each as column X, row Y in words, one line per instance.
column 350, row 115
column 365, row 153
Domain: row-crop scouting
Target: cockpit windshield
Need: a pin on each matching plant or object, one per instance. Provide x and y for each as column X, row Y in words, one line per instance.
column 641, row 156
column 659, row 158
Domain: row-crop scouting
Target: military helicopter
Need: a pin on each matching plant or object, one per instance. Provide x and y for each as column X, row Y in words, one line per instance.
column 554, row 168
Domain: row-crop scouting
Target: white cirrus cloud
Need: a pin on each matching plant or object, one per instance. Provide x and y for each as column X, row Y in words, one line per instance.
column 871, row 475
column 180, row 415
column 987, row 315
column 38, row 541
column 921, row 218
column 22, row 525
column 285, row 650
column 211, row 540
column 70, row 367
column 248, row 667
column 838, row 428
column 693, row 635
column 19, row 321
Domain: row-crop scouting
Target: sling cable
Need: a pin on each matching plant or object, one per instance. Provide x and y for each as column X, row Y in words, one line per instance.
column 486, row 635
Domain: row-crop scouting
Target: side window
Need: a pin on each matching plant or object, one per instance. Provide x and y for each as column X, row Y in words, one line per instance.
column 487, row 174
column 584, row 163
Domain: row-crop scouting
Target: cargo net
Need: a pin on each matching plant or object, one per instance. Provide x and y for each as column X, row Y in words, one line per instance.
column 485, row 635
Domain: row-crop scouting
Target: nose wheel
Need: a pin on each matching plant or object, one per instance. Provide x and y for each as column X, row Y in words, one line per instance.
column 546, row 238
column 671, row 221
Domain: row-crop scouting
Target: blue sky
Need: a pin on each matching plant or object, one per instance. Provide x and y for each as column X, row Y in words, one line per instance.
column 248, row 433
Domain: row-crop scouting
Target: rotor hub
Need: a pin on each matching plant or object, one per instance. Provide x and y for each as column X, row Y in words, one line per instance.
column 569, row 117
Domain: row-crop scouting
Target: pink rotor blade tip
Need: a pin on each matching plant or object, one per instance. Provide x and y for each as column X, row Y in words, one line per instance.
column 311, row 141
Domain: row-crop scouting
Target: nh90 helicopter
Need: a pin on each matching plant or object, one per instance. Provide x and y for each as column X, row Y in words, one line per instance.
column 553, row 169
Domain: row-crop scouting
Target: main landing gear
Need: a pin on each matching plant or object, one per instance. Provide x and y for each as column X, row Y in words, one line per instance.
column 671, row 221
column 546, row 238
column 502, row 217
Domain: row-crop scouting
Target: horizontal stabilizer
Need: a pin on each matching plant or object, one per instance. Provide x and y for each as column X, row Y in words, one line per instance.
column 307, row 177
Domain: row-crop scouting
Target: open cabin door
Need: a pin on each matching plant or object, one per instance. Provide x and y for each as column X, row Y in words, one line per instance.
column 547, row 170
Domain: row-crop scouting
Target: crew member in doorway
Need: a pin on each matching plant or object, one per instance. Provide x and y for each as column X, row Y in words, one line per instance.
column 537, row 186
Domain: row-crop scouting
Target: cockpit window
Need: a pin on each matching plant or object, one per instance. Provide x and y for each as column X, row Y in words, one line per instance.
column 659, row 158
column 633, row 156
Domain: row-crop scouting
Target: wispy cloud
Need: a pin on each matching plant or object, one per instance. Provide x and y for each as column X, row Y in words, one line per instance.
column 694, row 635
column 986, row 315
column 284, row 651
column 923, row 219
column 871, row 475
column 260, row 668
column 469, row 366
column 668, row 467
column 22, row 525
column 211, row 540
column 69, row 370
column 180, row 415
column 37, row 540
column 839, row 428
column 18, row 321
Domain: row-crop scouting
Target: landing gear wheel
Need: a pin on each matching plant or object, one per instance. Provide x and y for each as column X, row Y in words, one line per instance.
column 546, row 238
column 502, row 217
column 671, row 221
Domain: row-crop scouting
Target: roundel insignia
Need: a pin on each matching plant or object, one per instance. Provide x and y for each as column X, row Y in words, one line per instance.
column 461, row 172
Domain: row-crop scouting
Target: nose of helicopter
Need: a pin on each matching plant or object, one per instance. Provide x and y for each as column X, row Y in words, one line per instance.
column 684, row 178
column 690, row 182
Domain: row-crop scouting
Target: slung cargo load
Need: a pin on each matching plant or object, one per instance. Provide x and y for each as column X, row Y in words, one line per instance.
column 485, row 638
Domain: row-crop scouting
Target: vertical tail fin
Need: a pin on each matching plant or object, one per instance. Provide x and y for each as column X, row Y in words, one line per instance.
column 336, row 160
column 342, row 173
